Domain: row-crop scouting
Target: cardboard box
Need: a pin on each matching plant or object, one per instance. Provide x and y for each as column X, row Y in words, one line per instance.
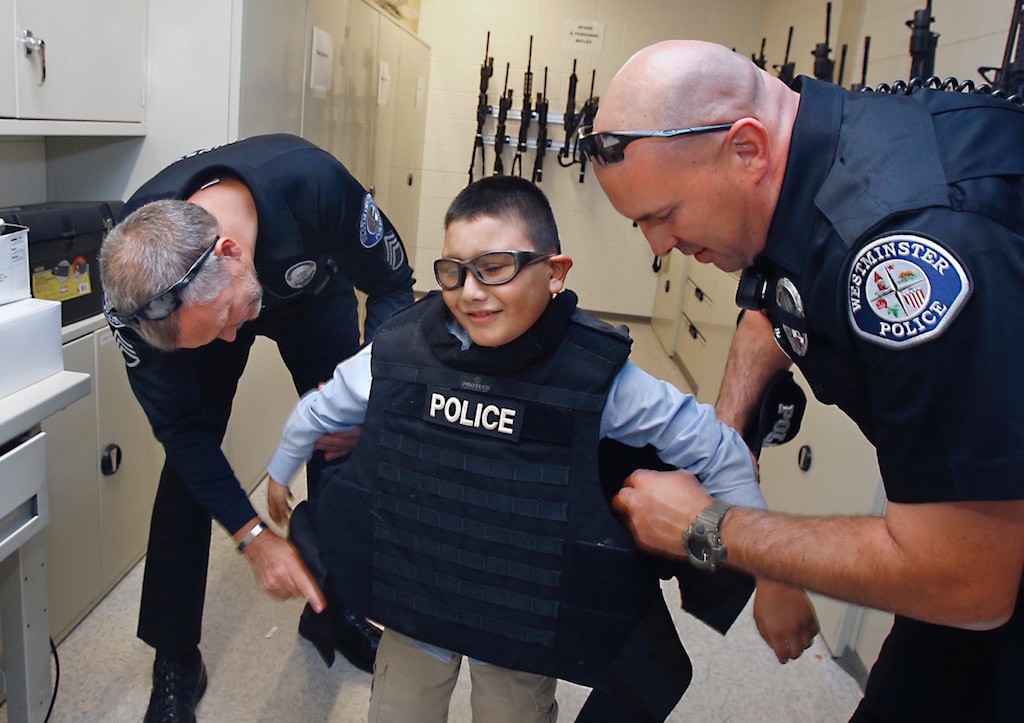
column 13, row 263
column 30, row 343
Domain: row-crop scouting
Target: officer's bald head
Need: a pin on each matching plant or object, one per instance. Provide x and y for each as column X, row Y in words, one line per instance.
column 680, row 84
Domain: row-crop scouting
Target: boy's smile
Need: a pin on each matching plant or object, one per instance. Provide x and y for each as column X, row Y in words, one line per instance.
column 496, row 315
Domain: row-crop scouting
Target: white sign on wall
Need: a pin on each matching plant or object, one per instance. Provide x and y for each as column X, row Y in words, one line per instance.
column 586, row 35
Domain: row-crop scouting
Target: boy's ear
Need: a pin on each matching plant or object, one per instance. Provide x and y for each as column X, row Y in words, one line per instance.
column 559, row 266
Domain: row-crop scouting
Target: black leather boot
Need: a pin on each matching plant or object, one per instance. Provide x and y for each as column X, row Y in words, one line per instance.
column 178, row 686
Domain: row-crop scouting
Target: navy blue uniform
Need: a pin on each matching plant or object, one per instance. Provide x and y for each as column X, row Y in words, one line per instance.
column 319, row 237
column 899, row 292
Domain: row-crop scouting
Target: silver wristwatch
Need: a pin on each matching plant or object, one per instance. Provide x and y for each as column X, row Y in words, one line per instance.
column 702, row 540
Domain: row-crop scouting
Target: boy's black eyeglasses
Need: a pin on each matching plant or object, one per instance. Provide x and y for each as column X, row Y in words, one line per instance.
column 491, row 269
column 166, row 302
column 610, row 146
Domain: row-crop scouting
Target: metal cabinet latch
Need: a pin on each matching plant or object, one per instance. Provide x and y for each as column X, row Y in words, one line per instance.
column 32, row 43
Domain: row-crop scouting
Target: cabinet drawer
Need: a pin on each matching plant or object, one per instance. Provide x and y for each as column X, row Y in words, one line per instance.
column 23, row 504
column 698, row 302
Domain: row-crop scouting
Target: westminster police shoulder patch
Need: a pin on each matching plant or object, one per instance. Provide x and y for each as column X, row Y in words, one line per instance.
column 371, row 225
column 905, row 289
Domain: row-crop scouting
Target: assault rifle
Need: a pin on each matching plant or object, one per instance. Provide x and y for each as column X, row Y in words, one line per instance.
column 525, row 115
column 787, row 69
column 587, row 114
column 1009, row 77
column 570, row 120
column 759, row 60
column 824, row 67
column 482, row 109
column 922, row 43
column 542, row 131
column 499, row 134
column 842, row 67
column 857, row 87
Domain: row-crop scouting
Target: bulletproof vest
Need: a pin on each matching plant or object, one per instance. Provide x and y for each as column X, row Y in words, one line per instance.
column 470, row 514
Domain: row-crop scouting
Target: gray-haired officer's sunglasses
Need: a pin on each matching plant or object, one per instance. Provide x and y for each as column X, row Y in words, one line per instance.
column 610, row 146
column 166, row 302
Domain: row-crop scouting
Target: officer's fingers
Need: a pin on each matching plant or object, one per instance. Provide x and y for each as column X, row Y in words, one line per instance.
column 308, row 589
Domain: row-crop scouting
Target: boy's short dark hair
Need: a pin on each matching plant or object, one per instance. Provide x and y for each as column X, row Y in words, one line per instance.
column 512, row 198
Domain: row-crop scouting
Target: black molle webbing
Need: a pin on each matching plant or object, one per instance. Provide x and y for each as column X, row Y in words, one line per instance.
column 484, row 593
column 483, row 466
column 470, row 528
column 534, row 636
column 467, row 559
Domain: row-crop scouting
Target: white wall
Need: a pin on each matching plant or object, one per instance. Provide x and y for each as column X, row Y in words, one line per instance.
column 612, row 269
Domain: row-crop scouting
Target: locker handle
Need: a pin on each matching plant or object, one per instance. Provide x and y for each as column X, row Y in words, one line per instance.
column 34, row 44
column 693, row 331
column 698, row 293
column 804, row 458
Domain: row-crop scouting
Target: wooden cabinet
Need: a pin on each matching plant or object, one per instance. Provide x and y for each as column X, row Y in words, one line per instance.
column 72, row 61
column 99, row 522
column 829, row 468
column 265, row 398
column 707, row 323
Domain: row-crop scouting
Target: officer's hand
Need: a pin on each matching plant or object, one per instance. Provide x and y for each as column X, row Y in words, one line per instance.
column 280, row 571
column 278, row 501
column 785, row 618
column 338, row 444
column 658, row 506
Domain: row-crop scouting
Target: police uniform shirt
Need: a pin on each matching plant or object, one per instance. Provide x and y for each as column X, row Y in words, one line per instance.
column 906, row 275
column 314, row 219
column 640, row 410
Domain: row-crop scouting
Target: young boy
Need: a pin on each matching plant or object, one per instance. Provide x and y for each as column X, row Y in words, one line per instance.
column 470, row 516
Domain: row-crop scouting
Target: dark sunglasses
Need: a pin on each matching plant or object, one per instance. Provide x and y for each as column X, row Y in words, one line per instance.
column 610, row 146
column 491, row 269
column 166, row 302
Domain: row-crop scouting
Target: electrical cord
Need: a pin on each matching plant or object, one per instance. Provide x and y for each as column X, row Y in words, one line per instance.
column 949, row 84
column 56, row 680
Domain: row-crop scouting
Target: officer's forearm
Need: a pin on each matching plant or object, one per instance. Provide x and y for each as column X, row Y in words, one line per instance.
column 754, row 358
column 890, row 563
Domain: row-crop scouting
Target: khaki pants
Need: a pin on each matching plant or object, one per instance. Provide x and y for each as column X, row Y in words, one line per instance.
column 412, row 685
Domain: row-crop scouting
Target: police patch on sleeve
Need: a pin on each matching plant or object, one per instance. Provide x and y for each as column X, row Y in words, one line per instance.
column 371, row 225
column 905, row 289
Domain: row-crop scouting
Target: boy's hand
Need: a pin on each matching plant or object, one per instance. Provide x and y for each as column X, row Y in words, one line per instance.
column 785, row 618
column 338, row 444
column 278, row 502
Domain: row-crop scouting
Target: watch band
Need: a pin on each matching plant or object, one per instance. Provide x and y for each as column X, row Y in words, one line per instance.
column 702, row 539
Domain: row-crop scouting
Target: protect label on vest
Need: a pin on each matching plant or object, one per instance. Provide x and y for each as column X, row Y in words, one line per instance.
column 456, row 409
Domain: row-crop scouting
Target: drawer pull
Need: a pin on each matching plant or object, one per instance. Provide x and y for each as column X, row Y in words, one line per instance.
column 110, row 461
column 803, row 458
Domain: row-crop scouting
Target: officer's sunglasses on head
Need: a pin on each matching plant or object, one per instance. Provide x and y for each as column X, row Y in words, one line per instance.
column 609, row 147
column 491, row 269
column 166, row 302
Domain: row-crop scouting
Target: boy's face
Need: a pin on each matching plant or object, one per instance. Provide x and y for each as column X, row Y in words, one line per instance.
column 496, row 315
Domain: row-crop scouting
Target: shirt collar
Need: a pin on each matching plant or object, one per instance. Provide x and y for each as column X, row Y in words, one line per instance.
column 811, row 153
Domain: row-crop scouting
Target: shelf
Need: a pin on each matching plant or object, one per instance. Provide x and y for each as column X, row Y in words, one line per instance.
column 25, row 127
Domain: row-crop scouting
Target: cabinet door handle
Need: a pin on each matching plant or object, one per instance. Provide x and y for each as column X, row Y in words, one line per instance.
column 698, row 293
column 804, row 458
column 110, row 460
column 32, row 43
column 693, row 331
